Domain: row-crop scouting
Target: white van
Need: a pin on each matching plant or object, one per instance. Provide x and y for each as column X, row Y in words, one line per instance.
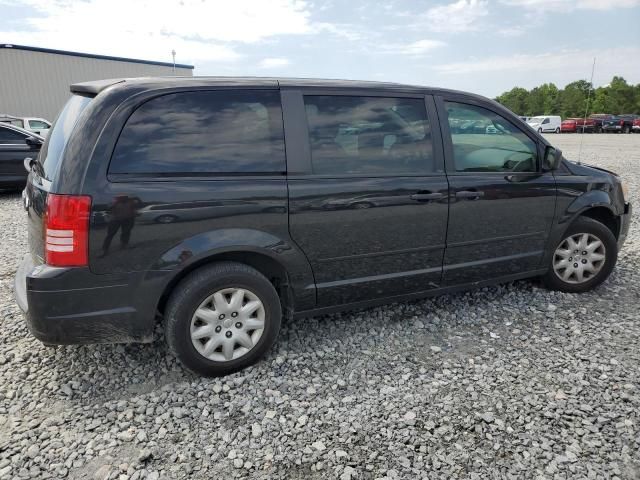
column 545, row 123
column 39, row 126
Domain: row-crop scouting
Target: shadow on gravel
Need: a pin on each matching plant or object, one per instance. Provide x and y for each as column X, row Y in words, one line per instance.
column 92, row 374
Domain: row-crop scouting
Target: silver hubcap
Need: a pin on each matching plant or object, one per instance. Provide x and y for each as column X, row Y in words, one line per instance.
column 579, row 258
column 228, row 324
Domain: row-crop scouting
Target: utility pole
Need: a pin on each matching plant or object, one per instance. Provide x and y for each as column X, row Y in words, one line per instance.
column 173, row 54
column 586, row 110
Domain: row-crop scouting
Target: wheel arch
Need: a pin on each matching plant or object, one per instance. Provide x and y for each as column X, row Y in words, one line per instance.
column 277, row 258
column 595, row 205
column 605, row 215
column 272, row 269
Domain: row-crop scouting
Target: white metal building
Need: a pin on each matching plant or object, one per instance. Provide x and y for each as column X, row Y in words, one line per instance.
column 34, row 82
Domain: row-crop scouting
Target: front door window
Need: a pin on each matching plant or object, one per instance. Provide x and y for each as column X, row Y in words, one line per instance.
column 484, row 141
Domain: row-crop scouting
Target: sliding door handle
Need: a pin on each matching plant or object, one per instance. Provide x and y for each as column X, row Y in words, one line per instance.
column 426, row 196
column 471, row 194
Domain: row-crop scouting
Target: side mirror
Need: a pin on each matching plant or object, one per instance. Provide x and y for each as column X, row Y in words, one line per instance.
column 552, row 158
column 33, row 141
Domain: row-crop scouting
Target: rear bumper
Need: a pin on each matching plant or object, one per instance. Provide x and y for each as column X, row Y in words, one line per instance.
column 611, row 128
column 61, row 309
column 625, row 220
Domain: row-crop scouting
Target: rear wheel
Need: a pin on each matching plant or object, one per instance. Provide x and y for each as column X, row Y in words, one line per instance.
column 540, row 130
column 222, row 318
column 584, row 258
column 557, row 129
column 627, row 129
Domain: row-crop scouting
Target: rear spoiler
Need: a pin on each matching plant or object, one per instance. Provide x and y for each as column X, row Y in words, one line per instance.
column 93, row 88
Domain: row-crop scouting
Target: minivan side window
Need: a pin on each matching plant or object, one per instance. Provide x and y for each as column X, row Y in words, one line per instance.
column 484, row 141
column 368, row 135
column 203, row 132
column 11, row 137
column 546, row 120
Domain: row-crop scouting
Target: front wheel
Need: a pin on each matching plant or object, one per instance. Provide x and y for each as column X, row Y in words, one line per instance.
column 222, row 318
column 583, row 259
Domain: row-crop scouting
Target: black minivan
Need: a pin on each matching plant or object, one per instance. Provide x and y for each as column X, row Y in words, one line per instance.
column 220, row 205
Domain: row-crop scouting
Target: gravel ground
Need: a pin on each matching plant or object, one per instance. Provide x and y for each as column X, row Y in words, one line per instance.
column 505, row 382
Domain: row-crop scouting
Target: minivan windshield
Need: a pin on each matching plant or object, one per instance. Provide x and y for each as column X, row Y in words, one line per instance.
column 536, row 120
column 53, row 147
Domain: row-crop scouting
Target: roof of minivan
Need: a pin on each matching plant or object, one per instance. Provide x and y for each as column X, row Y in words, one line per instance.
column 95, row 87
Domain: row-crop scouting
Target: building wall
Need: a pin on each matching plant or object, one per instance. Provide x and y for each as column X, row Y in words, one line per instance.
column 36, row 84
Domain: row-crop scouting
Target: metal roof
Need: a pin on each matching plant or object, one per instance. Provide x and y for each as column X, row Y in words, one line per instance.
column 91, row 55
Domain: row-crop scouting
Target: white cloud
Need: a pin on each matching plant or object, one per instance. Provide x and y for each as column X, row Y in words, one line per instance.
column 198, row 30
column 573, row 63
column 274, row 62
column 568, row 5
column 511, row 31
column 419, row 47
column 460, row 16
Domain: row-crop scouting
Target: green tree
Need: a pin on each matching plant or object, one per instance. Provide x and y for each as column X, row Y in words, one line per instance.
column 551, row 94
column 573, row 98
column 535, row 102
column 546, row 99
column 515, row 100
column 600, row 103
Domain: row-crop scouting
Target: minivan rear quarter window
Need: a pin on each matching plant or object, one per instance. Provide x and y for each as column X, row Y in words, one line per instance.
column 53, row 147
column 203, row 132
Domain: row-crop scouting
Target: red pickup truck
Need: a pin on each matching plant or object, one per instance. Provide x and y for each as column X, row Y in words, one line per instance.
column 574, row 125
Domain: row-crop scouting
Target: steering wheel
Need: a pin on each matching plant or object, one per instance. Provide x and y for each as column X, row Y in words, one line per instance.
column 513, row 165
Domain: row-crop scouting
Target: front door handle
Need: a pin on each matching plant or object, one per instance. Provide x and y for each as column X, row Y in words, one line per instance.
column 471, row 194
column 426, row 196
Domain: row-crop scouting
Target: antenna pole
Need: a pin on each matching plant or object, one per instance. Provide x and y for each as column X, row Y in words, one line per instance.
column 586, row 111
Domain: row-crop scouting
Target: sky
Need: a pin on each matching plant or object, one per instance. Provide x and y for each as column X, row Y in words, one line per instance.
column 482, row 46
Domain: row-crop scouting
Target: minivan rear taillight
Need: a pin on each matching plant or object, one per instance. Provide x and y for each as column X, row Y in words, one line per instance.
column 66, row 230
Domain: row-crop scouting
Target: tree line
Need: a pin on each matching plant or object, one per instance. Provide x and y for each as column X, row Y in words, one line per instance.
column 616, row 98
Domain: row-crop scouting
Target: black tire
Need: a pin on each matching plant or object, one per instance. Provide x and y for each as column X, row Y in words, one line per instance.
column 558, row 130
column 627, row 129
column 602, row 232
column 188, row 295
column 540, row 131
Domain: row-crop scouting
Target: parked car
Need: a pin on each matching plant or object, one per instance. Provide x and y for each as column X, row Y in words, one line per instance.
column 524, row 119
column 16, row 144
column 545, row 123
column 619, row 124
column 599, row 119
column 446, row 209
column 586, row 125
column 636, row 125
column 569, row 125
column 39, row 126
column 577, row 125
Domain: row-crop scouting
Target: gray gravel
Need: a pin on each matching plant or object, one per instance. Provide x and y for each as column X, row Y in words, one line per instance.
column 505, row 382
